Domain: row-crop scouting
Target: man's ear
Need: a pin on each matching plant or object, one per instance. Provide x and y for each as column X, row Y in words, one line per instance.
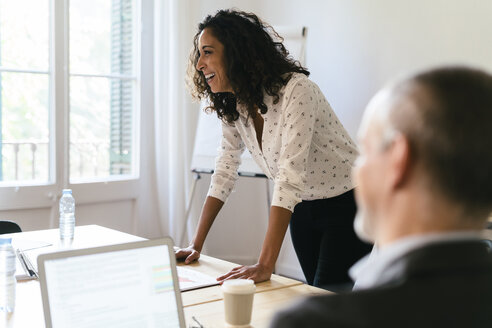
column 400, row 161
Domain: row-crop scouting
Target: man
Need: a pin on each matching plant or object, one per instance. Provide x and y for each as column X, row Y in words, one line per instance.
column 424, row 192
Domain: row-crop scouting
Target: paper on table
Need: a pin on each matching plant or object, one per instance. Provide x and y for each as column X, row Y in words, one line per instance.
column 25, row 244
column 191, row 279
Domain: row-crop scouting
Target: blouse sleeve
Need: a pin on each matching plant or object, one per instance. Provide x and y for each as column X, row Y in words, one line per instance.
column 299, row 116
column 226, row 163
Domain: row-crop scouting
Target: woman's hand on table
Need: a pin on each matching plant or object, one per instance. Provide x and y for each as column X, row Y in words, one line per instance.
column 257, row 273
column 188, row 254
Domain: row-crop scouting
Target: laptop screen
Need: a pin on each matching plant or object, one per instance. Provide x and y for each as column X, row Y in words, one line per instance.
column 122, row 288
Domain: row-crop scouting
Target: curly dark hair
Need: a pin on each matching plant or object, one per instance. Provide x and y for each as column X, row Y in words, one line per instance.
column 255, row 63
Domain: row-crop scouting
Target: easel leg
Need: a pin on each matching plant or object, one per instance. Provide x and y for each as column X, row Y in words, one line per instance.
column 196, row 177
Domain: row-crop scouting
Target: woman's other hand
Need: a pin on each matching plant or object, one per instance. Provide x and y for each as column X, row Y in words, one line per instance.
column 188, row 254
column 257, row 273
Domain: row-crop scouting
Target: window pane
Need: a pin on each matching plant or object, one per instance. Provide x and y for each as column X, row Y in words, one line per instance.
column 101, row 108
column 24, row 34
column 101, row 36
column 101, row 127
column 24, row 107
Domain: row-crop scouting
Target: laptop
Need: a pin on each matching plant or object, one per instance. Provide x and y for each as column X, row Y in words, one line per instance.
column 125, row 285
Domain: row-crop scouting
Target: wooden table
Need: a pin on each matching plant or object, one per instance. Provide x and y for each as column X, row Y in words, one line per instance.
column 215, row 267
column 265, row 305
column 205, row 304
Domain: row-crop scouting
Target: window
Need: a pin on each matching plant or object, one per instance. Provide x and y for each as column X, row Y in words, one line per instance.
column 69, row 86
column 25, row 91
column 102, row 88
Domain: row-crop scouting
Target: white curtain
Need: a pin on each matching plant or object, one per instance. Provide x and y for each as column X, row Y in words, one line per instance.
column 174, row 119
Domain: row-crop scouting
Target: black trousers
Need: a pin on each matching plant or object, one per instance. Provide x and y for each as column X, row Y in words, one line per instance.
column 325, row 241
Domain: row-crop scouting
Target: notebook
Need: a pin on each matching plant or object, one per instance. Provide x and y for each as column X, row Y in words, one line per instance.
column 125, row 285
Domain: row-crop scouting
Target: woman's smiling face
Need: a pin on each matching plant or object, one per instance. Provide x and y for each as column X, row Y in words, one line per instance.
column 212, row 62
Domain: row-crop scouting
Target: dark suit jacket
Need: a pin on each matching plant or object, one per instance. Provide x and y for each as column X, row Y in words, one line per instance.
column 440, row 285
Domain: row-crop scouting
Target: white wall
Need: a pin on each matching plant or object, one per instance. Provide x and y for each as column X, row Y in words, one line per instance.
column 353, row 48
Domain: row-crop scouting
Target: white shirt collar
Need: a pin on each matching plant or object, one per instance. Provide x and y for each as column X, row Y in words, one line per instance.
column 375, row 268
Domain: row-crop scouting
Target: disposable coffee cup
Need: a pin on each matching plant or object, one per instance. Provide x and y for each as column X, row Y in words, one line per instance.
column 238, row 301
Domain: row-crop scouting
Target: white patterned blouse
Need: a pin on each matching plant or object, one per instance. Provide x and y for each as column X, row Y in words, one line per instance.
column 305, row 149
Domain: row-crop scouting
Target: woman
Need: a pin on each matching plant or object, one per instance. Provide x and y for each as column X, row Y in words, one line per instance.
column 268, row 105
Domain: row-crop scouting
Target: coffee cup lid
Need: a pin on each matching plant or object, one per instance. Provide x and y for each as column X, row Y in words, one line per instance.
column 239, row 286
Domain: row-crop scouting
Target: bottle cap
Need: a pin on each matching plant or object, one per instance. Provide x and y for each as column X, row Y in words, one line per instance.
column 5, row 241
column 67, row 191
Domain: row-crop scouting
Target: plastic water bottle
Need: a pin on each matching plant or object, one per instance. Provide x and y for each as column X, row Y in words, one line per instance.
column 7, row 275
column 67, row 215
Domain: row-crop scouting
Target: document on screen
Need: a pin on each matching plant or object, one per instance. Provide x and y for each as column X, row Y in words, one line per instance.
column 132, row 286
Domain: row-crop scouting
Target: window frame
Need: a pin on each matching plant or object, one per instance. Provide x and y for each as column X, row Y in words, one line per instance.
column 19, row 195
